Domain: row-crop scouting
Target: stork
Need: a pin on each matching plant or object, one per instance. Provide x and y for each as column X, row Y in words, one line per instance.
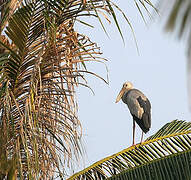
column 139, row 107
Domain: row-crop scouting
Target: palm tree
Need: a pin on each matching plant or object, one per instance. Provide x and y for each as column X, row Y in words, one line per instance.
column 42, row 62
column 164, row 155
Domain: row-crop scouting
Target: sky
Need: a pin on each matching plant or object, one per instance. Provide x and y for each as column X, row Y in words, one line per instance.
column 159, row 71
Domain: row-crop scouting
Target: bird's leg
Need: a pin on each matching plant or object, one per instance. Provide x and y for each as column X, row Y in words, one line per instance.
column 133, row 132
column 142, row 137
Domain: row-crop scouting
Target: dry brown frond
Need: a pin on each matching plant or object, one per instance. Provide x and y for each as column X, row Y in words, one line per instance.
column 38, row 103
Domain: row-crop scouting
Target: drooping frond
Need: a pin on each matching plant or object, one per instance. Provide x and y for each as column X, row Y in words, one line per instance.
column 40, row 70
column 178, row 22
column 169, row 148
column 179, row 17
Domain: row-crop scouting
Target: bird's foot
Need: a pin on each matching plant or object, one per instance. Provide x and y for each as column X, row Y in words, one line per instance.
column 134, row 145
column 141, row 143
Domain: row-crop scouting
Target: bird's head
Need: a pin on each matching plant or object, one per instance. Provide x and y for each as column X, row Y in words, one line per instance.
column 126, row 86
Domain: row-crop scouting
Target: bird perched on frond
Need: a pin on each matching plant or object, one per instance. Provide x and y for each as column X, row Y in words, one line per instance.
column 139, row 107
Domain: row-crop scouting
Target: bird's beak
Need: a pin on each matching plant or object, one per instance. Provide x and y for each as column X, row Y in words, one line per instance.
column 120, row 95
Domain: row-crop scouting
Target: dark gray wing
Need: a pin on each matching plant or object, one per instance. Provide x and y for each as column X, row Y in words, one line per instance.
column 140, row 108
column 146, row 116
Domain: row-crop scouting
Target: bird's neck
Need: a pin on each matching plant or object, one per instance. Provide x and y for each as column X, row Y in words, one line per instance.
column 124, row 97
column 128, row 89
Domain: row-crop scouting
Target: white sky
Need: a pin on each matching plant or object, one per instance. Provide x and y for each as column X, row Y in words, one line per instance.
column 159, row 71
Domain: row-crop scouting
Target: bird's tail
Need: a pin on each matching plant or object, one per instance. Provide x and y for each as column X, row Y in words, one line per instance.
column 144, row 122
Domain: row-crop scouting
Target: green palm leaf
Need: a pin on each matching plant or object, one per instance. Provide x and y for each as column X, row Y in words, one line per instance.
column 175, row 166
column 169, row 148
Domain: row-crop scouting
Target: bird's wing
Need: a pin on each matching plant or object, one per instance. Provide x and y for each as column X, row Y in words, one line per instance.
column 139, row 107
column 131, row 99
column 145, row 104
column 146, row 116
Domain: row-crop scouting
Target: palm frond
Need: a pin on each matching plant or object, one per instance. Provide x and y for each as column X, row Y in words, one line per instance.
column 179, row 21
column 39, row 73
column 175, row 166
column 179, row 17
column 162, row 150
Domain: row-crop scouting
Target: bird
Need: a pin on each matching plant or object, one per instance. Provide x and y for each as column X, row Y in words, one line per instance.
column 139, row 107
